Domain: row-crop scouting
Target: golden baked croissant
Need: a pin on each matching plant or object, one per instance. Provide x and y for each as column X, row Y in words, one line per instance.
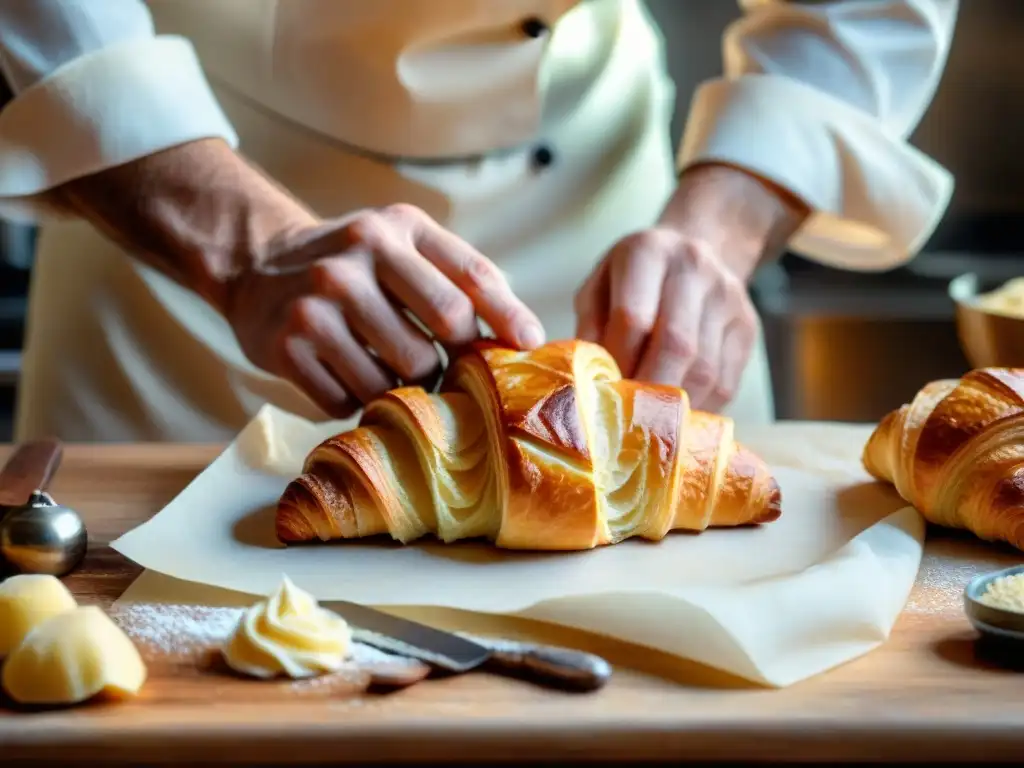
column 956, row 452
column 548, row 449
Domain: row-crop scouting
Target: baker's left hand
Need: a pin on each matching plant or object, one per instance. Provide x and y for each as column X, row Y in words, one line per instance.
column 670, row 303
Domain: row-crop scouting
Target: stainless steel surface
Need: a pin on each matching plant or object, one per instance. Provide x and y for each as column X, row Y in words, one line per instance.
column 854, row 357
column 848, row 347
column 42, row 537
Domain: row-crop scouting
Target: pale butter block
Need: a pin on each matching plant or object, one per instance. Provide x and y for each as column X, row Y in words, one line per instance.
column 27, row 601
column 72, row 657
column 288, row 634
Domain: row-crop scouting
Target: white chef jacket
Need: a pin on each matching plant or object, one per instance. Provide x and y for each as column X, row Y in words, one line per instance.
column 344, row 100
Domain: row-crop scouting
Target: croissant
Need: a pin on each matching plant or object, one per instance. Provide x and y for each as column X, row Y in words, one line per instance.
column 956, row 452
column 546, row 450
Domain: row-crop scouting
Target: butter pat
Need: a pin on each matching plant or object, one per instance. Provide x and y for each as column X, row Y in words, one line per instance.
column 288, row 634
column 72, row 657
column 27, row 601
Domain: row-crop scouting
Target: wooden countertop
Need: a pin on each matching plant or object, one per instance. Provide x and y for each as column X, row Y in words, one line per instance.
column 931, row 693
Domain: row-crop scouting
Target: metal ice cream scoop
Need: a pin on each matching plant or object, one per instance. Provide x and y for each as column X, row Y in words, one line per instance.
column 37, row 535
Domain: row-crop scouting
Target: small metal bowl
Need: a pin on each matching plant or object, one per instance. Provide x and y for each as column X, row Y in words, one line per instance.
column 988, row 339
column 995, row 623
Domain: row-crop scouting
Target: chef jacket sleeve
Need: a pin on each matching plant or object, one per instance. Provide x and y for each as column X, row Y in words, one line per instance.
column 93, row 87
column 820, row 97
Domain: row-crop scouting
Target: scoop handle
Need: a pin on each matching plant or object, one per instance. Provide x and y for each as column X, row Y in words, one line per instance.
column 30, row 468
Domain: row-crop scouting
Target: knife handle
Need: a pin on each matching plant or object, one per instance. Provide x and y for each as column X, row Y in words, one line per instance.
column 548, row 665
column 29, row 469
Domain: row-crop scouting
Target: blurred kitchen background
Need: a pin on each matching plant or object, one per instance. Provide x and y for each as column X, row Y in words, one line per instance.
column 843, row 346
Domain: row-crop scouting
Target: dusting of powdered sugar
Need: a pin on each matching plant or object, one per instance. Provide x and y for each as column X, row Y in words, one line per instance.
column 176, row 631
column 190, row 632
column 946, row 569
column 365, row 655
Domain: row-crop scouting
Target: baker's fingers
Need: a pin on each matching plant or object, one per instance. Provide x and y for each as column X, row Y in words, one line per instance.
column 737, row 345
column 298, row 363
column 701, row 380
column 477, row 276
column 672, row 346
column 591, row 305
column 637, row 272
column 405, row 349
column 319, row 321
column 420, row 286
column 383, row 241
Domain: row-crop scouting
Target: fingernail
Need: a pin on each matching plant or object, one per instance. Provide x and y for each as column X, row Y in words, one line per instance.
column 532, row 336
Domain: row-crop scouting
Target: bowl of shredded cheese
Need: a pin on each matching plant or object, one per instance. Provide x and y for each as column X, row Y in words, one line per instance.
column 990, row 321
column 994, row 603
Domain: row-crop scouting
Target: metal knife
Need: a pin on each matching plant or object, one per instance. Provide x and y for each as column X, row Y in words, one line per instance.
column 547, row 665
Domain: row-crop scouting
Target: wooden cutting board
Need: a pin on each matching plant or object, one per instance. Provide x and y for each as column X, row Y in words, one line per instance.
column 929, row 693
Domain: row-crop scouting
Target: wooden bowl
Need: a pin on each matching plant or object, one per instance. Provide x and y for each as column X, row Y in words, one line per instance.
column 988, row 339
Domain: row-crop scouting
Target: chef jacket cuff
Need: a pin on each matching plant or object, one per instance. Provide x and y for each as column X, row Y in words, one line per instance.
column 101, row 110
column 875, row 199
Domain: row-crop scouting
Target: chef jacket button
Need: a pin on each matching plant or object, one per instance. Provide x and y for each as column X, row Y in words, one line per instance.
column 543, row 157
column 534, row 27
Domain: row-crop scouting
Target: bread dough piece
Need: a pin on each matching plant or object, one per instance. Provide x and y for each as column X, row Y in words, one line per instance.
column 72, row 657
column 288, row 634
column 25, row 602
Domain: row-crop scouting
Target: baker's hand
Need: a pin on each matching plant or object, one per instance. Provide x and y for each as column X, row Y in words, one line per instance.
column 669, row 311
column 329, row 306
column 670, row 303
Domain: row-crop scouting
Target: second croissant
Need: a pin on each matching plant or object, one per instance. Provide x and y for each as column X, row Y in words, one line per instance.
column 545, row 450
column 956, row 452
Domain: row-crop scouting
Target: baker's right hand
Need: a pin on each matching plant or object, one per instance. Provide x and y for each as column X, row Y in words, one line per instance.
column 326, row 307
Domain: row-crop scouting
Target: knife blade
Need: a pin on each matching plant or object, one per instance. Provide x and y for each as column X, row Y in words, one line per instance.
column 563, row 668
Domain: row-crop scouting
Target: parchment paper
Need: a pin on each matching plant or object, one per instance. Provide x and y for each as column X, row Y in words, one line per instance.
column 774, row 604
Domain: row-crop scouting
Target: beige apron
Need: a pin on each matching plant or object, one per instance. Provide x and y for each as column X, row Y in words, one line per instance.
column 117, row 352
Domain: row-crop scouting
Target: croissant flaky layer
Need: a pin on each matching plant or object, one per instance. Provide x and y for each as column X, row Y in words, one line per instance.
column 549, row 449
column 956, row 452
